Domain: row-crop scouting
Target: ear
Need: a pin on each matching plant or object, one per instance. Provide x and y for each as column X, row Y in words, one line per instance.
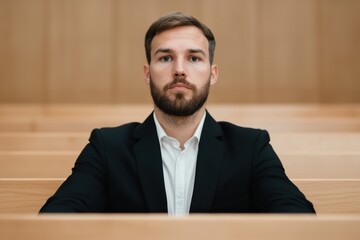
column 214, row 74
column 147, row 73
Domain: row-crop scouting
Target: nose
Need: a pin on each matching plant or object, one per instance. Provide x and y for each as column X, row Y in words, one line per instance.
column 179, row 69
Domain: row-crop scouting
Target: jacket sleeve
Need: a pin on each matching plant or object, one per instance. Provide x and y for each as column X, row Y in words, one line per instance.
column 85, row 189
column 272, row 190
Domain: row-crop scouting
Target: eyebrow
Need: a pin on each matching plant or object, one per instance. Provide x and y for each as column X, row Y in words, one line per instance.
column 197, row 51
column 163, row 50
column 168, row 50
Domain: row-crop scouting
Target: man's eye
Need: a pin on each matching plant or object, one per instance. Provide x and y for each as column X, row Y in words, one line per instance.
column 165, row 59
column 194, row 59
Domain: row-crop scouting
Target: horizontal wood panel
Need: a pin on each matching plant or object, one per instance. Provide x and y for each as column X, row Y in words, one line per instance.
column 84, row 118
column 321, row 165
column 309, row 142
column 328, row 196
column 162, row 227
column 26, row 195
column 43, row 164
column 332, row 195
column 326, row 142
column 40, row 164
column 86, row 124
column 268, row 110
column 43, row 141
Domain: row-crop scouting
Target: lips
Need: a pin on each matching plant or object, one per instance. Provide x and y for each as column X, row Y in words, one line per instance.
column 180, row 85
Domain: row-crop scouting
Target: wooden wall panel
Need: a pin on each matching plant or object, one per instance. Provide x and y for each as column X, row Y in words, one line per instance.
column 287, row 51
column 129, row 27
column 22, row 40
column 234, row 26
column 92, row 51
column 80, row 51
column 340, row 50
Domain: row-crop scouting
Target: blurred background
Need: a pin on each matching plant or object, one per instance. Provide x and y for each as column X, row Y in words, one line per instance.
column 92, row 51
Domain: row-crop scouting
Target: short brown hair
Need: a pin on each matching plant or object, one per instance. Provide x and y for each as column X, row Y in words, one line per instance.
column 173, row 20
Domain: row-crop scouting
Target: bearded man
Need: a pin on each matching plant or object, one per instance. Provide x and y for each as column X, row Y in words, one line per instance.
column 179, row 160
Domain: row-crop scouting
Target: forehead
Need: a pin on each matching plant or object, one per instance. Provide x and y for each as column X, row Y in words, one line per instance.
column 187, row 37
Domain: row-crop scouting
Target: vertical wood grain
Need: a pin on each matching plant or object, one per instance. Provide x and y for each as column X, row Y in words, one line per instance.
column 129, row 27
column 80, row 51
column 234, row 25
column 22, row 35
column 288, row 42
column 340, row 50
column 92, row 51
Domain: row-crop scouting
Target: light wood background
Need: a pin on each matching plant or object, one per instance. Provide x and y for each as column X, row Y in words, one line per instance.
column 91, row 51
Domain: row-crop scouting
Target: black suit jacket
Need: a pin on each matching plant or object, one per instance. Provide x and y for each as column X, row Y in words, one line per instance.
column 120, row 170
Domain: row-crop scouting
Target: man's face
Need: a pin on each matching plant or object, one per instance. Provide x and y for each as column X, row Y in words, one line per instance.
column 180, row 73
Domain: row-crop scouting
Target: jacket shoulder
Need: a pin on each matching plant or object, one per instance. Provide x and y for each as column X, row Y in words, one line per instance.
column 114, row 135
column 236, row 135
column 232, row 129
column 119, row 130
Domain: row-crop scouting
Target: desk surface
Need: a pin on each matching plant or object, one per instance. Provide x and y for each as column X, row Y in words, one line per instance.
column 150, row 226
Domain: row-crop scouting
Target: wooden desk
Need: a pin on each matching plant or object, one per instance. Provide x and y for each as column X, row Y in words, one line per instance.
column 162, row 227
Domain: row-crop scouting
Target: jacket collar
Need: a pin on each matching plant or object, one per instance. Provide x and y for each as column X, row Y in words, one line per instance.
column 149, row 162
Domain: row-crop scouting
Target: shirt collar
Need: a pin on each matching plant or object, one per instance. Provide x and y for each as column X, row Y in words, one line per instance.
column 161, row 132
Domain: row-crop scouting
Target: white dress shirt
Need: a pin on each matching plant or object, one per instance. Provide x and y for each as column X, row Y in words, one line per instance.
column 179, row 168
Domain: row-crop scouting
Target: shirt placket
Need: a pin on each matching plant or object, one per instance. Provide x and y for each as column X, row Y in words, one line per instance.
column 180, row 184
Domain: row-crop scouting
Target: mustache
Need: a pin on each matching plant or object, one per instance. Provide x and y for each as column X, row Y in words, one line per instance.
column 181, row 80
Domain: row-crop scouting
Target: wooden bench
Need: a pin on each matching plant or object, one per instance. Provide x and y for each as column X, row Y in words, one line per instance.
column 318, row 144
column 328, row 195
column 282, row 142
column 88, row 110
column 86, row 124
column 58, row 164
column 269, row 110
column 285, row 117
column 162, row 227
column 43, row 141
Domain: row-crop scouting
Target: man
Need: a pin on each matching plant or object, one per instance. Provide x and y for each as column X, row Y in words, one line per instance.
column 180, row 159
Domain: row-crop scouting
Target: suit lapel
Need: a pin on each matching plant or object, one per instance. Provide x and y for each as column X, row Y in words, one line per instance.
column 210, row 155
column 148, row 158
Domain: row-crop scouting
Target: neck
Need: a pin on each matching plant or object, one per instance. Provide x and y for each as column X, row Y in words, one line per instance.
column 180, row 128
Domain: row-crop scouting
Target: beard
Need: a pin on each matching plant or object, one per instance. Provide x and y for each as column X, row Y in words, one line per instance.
column 178, row 105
